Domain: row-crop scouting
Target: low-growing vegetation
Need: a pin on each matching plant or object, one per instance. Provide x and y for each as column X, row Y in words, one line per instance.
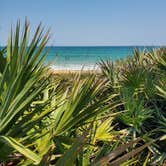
column 115, row 117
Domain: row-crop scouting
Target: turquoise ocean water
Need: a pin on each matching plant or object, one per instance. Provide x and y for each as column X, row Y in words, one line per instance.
column 75, row 58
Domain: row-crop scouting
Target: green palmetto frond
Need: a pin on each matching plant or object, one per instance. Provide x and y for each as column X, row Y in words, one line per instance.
column 2, row 60
column 137, row 75
column 21, row 83
column 158, row 57
column 83, row 103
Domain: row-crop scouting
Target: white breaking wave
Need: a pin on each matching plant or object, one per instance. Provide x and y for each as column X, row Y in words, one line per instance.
column 74, row 67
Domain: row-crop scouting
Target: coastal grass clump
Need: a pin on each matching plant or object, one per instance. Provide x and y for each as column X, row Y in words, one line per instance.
column 115, row 117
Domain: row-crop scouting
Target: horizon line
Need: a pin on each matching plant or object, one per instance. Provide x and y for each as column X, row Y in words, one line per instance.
column 106, row 45
column 101, row 45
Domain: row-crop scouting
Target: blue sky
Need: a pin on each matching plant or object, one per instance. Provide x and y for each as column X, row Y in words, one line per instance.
column 90, row 22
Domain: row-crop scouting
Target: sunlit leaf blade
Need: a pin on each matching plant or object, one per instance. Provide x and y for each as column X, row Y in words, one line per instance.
column 21, row 149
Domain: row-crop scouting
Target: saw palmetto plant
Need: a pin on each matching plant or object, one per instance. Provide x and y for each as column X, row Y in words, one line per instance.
column 116, row 117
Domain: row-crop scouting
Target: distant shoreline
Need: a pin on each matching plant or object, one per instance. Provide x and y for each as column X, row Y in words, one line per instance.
column 68, row 71
column 74, row 67
column 58, row 70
